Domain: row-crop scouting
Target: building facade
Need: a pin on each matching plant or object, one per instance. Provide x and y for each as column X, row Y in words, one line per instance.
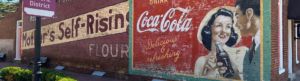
column 8, row 39
column 84, row 36
column 192, row 40
column 177, row 40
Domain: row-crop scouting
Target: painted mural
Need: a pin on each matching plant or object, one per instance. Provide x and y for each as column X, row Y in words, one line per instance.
column 84, row 36
column 216, row 39
column 102, row 22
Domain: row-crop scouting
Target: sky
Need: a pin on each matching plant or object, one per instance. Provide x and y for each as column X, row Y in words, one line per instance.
column 11, row 0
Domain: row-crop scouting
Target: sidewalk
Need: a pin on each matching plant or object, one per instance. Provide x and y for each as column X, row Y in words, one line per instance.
column 297, row 74
column 77, row 76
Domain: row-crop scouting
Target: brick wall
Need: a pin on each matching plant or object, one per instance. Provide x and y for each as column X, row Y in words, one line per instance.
column 8, row 23
column 293, row 45
column 275, row 41
column 295, row 65
column 284, row 76
column 84, row 52
column 8, row 30
column 298, row 52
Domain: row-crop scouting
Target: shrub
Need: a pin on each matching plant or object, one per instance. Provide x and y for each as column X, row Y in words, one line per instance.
column 8, row 73
column 67, row 79
column 44, row 73
column 56, row 76
column 18, row 74
column 23, row 75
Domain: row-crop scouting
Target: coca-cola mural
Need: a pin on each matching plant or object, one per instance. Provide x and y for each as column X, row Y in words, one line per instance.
column 196, row 39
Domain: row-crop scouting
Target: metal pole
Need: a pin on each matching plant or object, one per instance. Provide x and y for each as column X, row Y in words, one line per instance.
column 36, row 73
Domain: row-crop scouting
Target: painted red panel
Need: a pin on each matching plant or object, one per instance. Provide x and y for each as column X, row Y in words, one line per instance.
column 159, row 38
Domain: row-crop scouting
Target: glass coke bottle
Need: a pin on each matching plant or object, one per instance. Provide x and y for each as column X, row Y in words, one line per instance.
column 222, row 56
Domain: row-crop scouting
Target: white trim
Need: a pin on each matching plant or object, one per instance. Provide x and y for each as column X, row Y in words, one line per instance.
column 38, row 12
column 281, row 69
column 290, row 60
column 18, row 52
column 297, row 61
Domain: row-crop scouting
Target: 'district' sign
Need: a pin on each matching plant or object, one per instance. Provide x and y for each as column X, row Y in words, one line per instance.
column 39, row 8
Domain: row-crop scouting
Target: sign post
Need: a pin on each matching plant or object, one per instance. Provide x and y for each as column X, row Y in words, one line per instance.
column 36, row 73
column 38, row 8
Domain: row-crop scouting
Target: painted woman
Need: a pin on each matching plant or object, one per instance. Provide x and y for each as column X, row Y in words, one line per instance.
column 219, row 28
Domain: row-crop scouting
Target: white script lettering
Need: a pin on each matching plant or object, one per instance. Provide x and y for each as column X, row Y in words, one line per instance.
column 183, row 24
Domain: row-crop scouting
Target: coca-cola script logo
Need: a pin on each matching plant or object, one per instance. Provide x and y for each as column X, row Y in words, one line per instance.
column 152, row 22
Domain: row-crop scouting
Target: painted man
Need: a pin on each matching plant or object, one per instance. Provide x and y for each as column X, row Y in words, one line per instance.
column 248, row 22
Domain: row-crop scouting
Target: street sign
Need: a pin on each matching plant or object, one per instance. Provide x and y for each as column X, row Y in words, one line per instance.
column 39, row 8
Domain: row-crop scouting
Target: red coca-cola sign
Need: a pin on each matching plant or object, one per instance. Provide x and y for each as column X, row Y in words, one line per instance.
column 167, row 34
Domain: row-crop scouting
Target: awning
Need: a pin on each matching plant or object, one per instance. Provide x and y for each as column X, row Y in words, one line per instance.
column 294, row 9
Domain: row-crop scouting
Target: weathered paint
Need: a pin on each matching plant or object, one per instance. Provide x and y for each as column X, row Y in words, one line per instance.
column 80, row 34
column 163, row 48
column 266, row 38
column 102, row 22
column 7, row 46
column 107, row 50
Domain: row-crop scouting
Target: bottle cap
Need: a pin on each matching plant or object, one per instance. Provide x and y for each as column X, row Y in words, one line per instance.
column 217, row 43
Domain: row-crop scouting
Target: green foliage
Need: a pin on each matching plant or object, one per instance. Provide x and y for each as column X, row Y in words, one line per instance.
column 23, row 75
column 67, row 79
column 52, row 75
column 45, row 72
column 16, row 73
column 8, row 73
column 6, row 7
column 57, row 76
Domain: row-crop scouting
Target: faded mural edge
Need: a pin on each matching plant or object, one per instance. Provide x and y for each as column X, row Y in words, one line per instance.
column 130, row 37
column 261, row 40
column 188, row 76
column 266, row 39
